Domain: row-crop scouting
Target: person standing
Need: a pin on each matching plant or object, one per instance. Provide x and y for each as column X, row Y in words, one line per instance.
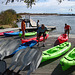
column 23, row 27
column 67, row 29
column 41, row 30
column 37, row 24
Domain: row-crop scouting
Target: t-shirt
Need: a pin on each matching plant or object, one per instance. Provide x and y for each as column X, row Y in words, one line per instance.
column 40, row 30
column 67, row 27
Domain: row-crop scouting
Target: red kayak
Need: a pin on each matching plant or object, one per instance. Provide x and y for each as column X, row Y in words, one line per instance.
column 63, row 38
column 2, row 33
column 35, row 38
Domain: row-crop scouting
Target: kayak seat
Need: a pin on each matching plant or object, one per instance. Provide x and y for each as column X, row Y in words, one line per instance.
column 67, row 45
column 60, row 47
column 72, row 54
column 52, row 51
column 46, row 54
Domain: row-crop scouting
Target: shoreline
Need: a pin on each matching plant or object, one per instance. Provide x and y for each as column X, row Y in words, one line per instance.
column 46, row 14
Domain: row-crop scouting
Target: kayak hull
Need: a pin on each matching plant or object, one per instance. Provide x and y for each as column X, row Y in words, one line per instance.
column 29, row 34
column 25, row 45
column 12, row 34
column 35, row 38
column 56, row 51
column 2, row 33
column 68, row 60
column 63, row 38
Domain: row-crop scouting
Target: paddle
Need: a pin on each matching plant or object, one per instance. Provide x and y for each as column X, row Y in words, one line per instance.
column 9, row 48
column 35, row 61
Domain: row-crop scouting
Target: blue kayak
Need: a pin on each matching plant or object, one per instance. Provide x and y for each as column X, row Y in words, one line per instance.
column 25, row 45
column 12, row 34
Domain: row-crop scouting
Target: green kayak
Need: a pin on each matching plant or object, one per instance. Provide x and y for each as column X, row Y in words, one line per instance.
column 29, row 34
column 68, row 60
column 56, row 51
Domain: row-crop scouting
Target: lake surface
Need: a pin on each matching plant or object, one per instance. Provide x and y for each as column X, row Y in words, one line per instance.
column 58, row 21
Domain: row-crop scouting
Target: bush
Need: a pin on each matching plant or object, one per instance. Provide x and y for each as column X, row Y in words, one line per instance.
column 8, row 17
column 1, row 27
column 14, row 25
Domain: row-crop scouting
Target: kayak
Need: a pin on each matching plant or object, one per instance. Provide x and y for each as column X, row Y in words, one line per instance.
column 63, row 38
column 25, row 45
column 35, row 62
column 28, row 34
column 2, row 33
column 55, row 51
column 22, row 58
column 12, row 34
column 68, row 60
column 34, row 38
column 8, row 46
column 13, row 46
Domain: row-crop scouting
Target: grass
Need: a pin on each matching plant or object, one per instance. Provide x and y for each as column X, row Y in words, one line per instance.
column 6, row 26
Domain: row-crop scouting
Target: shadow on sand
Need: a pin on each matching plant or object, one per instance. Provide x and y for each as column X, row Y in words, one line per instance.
column 56, row 42
column 9, row 72
column 58, row 70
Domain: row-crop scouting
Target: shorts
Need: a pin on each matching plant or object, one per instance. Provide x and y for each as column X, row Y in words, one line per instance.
column 66, row 31
column 39, row 34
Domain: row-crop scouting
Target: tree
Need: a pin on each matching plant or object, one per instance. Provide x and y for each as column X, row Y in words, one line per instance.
column 8, row 17
column 28, row 2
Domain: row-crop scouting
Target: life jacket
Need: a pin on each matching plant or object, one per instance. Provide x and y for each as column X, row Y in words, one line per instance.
column 23, row 26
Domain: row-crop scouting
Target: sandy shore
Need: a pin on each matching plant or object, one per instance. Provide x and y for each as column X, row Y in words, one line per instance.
column 50, row 67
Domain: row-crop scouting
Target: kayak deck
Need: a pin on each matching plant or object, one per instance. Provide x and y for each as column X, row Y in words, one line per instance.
column 68, row 60
column 56, row 51
column 63, row 38
column 28, row 34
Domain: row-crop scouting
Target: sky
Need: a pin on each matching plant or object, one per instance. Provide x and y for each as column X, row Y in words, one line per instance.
column 42, row 6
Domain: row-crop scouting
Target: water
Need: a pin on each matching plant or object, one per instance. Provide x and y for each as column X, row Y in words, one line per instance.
column 58, row 21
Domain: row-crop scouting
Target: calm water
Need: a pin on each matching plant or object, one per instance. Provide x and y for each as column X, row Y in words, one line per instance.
column 58, row 21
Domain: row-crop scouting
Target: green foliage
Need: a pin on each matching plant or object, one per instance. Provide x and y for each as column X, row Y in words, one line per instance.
column 11, row 11
column 28, row 2
column 14, row 25
column 1, row 27
column 8, row 17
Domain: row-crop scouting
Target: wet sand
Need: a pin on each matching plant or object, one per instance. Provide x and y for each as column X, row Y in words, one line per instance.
column 50, row 67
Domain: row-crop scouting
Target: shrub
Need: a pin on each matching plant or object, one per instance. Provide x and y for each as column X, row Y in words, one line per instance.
column 14, row 25
column 1, row 27
column 8, row 17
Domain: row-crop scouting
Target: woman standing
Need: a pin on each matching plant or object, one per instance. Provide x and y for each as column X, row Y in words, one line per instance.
column 23, row 27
